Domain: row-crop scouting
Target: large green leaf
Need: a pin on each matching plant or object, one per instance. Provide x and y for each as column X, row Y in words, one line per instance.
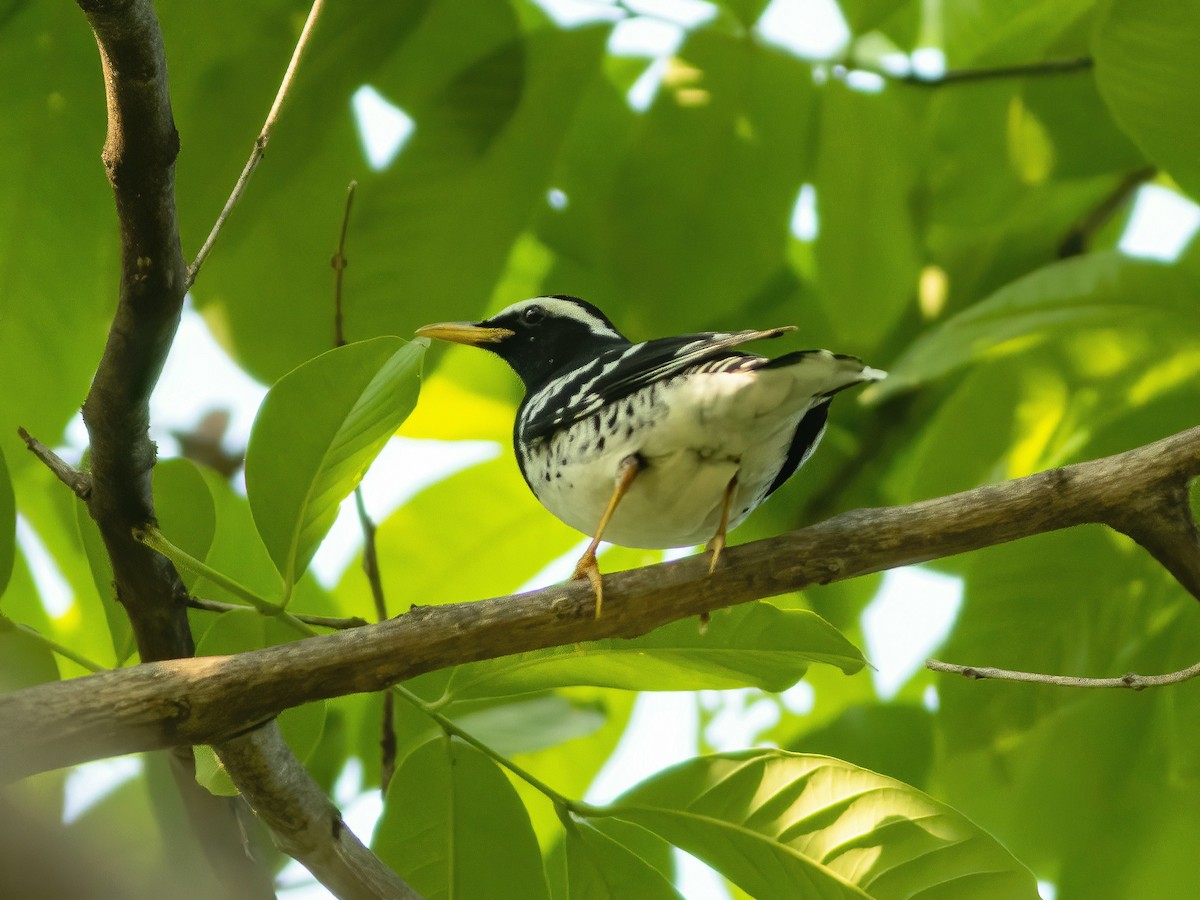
column 792, row 825
column 119, row 626
column 52, row 109
column 866, row 248
column 642, row 234
column 8, row 526
column 318, row 430
column 1144, row 69
column 452, row 826
column 1100, row 289
column 753, row 645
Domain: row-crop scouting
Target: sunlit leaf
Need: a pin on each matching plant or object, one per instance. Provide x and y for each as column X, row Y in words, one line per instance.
column 752, row 645
column 793, row 825
column 1103, row 289
column 318, row 430
column 452, row 826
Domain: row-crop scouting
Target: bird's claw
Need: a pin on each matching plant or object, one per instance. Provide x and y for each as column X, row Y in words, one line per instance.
column 587, row 568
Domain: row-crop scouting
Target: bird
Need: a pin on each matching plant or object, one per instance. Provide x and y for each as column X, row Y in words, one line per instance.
column 670, row 442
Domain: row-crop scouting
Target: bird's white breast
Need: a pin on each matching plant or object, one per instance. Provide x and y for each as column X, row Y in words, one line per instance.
column 693, row 434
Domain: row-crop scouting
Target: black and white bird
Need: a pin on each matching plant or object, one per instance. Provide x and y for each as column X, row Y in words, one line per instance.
column 666, row 443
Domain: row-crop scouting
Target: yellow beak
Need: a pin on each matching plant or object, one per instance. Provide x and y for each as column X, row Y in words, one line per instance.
column 464, row 333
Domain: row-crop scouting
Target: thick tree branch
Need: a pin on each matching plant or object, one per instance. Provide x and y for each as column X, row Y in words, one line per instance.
column 1132, row 680
column 208, row 699
column 139, row 155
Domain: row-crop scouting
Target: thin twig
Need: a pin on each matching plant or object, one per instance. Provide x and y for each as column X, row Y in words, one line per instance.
column 387, row 735
column 333, row 622
column 79, row 482
column 966, row 76
column 1132, row 681
column 1077, row 240
column 339, row 263
column 260, row 143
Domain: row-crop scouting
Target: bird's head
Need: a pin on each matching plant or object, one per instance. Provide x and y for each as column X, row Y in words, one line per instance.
column 536, row 337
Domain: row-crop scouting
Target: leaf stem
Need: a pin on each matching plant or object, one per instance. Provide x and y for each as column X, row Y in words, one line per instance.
column 53, row 645
column 157, row 541
column 448, row 726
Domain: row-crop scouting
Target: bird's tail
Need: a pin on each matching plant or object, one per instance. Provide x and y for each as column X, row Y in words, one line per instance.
column 820, row 373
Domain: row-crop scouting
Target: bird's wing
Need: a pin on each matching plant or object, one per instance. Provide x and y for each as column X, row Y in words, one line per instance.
column 619, row 372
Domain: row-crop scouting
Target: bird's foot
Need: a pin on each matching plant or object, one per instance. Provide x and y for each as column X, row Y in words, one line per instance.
column 715, row 546
column 589, row 569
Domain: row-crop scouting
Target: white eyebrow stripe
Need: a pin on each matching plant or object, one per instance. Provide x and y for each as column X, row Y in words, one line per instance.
column 565, row 309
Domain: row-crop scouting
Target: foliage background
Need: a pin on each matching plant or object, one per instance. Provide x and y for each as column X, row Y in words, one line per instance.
column 966, row 238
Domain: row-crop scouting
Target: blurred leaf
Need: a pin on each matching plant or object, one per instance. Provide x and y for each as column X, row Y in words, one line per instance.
column 892, row 739
column 751, row 645
column 641, row 235
column 185, row 509
column 123, row 643
column 8, row 526
column 780, row 824
column 318, row 430
column 52, row 109
column 865, row 15
column 469, row 176
column 600, row 868
column 866, row 176
column 531, row 725
column 27, row 661
column 452, row 826
column 1097, row 289
column 976, row 32
column 236, row 632
column 1143, row 69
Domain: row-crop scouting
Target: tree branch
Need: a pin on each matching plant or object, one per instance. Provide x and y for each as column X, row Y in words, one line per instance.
column 139, row 154
column 982, row 73
column 305, row 825
column 1132, row 681
column 79, row 482
column 208, row 699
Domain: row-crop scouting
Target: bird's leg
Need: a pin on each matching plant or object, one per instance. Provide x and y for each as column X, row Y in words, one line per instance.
column 717, row 544
column 586, row 567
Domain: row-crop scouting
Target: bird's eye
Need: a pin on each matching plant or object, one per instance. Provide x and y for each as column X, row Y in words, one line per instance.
column 532, row 315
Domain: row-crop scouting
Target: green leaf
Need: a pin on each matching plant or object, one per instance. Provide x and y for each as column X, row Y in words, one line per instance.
column 453, row 826
column 8, row 526
column 27, row 661
column 1099, row 289
column 236, row 632
column 752, row 645
column 316, row 433
column 600, row 868
column 531, row 725
column 52, row 109
column 864, row 15
column 484, row 516
column 185, row 509
column 795, row 825
column 1144, row 68
column 866, row 248
column 119, row 626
